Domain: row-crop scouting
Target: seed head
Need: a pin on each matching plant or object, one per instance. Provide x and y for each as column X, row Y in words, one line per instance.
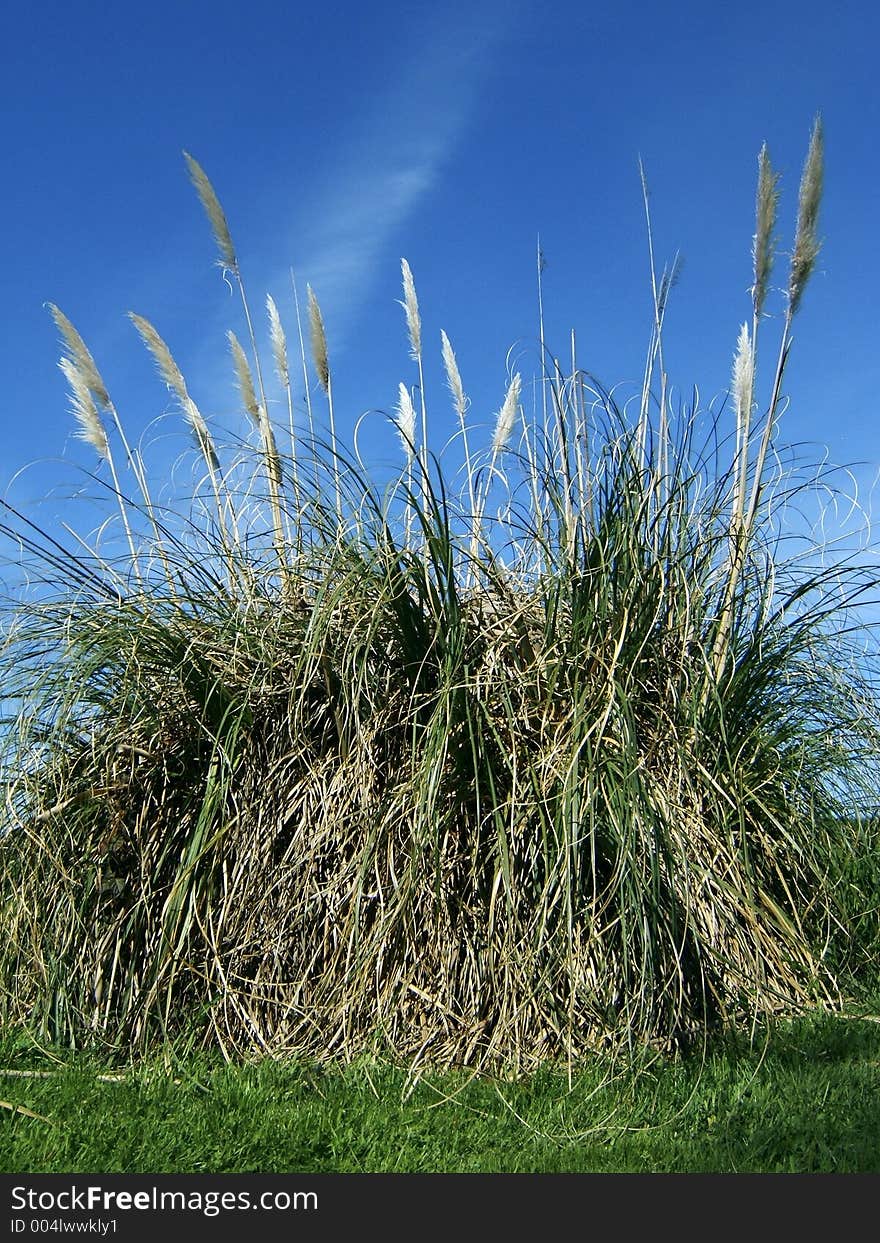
column 202, row 435
column 279, row 341
column 453, row 378
column 245, row 380
column 90, row 428
column 506, row 415
column 763, row 243
column 214, row 212
column 743, row 379
column 406, row 421
column 319, row 340
column 168, row 368
column 410, row 304
column 80, row 356
column 806, row 242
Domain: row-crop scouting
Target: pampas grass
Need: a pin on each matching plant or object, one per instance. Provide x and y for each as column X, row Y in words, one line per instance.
column 90, row 427
column 587, row 763
column 214, row 212
column 319, row 340
column 410, row 306
column 806, row 242
column 171, row 374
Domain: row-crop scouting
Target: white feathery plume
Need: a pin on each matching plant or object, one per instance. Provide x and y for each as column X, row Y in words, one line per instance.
column 90, row 429
column 506, row 416
column 279, row 341
column 410, row 305
column 406, row 421
column 743, row 377
column 245, row 379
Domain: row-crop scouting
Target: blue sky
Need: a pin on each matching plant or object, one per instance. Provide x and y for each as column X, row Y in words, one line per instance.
column 341, row 137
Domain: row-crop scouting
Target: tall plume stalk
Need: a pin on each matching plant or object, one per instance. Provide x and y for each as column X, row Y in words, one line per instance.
column 803, row 259
column 279, row 353
column 410, row 304
column 660, row 295
column 504, row 424
column 173, row 377
column 306, row 386
column 321, row 360
column 541, row 265
column 406, row 430
column 763, row 254
column 92, row 430
column 453, row 379
column 84, row 378
column 229, row 261
column 272, row 464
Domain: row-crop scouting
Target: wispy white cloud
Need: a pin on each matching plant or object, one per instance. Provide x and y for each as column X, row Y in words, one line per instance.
column 341, row 252
column 383, row 169
column 379, row 168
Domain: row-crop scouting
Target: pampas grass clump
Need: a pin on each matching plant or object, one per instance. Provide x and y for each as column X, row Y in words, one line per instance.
column 488, row 770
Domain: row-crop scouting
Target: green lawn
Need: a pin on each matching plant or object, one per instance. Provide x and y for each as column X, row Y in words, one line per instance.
column 807, row 1099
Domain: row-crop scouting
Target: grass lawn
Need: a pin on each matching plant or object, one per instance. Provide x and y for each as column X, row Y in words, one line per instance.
column 804, row 1100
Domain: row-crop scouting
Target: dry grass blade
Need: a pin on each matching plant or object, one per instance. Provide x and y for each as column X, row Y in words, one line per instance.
column 29, row 1074
column 28, row 1113
column 273, row 464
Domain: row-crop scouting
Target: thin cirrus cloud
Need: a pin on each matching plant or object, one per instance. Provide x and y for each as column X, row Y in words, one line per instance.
column 377, row 172
column 342, row 255
column 386, row 168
